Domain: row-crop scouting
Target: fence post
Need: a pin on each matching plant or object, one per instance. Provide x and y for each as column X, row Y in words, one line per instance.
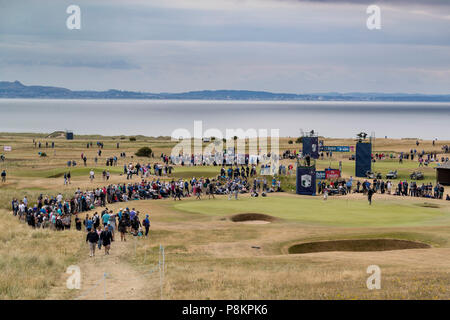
column 160, row 270
column 104, row 286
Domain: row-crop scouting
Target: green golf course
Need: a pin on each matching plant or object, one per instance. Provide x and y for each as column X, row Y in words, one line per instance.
column 333, row 212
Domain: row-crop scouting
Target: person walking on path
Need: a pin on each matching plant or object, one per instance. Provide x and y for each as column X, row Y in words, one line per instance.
column 4, row 176
column 370, row 193
column 105, row 218
column 212, row 189
column 106, row 238
column 92, row 239
column 112, row 223
column 122, row 228
column 146, row 223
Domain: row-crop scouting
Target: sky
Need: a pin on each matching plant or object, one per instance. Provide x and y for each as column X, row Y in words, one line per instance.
column 292, row 46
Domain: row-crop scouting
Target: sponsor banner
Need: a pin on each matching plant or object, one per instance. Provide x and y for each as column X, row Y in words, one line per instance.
column 7, row 148
column 332, row 174
column 311, row 147
column 363, row 159
column 336, row 148
column 306, row 181
column 320, row 175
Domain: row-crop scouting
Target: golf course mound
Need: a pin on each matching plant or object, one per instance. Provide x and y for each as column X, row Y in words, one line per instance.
column 356, row 245
column 253, row 218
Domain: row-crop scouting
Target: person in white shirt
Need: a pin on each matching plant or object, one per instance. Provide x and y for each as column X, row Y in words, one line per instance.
column 389, row 187
column 21, row 210
column 325, row 194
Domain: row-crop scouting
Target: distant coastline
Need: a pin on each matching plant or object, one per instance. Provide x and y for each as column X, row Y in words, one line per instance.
column 17, row 90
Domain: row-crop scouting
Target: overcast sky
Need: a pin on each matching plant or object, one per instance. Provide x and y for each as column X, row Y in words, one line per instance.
column 274, row 45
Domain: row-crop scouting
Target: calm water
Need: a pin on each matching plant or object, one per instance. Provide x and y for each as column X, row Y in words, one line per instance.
column 154, row 118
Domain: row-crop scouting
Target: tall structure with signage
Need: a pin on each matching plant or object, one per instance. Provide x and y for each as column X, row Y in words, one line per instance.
column 69, row 135
column 363, row 156
column 310, row 145
column 443, row 174
column 306, row 179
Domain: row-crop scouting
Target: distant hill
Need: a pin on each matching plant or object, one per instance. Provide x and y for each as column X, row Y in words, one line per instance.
column 17, row 90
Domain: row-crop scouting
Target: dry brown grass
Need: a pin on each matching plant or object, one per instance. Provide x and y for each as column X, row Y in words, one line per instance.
column 31, row 261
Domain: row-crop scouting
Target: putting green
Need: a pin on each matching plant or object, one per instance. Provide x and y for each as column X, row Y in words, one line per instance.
column 336, row 212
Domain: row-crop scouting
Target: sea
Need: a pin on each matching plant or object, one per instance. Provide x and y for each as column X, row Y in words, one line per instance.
column 163, row 117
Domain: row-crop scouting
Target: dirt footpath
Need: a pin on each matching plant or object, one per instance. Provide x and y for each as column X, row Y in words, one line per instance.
column 111, row 277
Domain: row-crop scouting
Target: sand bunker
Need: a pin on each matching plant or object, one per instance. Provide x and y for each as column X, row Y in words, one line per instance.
column 253, row 218
column 428, row 205
column 356, row 245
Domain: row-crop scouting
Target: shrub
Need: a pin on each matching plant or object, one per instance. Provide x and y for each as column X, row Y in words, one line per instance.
column 299, row 140
column 132, row 138
column 290, row 142
column 144, row 152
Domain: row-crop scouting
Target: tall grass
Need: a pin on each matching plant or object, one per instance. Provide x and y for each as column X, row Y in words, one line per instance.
column 32, row 261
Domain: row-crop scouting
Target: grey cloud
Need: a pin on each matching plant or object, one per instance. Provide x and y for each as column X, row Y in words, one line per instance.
column 297, row 47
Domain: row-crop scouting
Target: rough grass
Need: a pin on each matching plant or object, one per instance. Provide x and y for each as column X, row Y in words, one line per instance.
column 32, row 261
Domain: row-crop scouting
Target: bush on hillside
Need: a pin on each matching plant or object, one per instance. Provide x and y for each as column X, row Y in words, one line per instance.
column 144, row 152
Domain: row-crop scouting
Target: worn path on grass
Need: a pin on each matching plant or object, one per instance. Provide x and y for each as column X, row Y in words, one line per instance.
column 123, row 280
